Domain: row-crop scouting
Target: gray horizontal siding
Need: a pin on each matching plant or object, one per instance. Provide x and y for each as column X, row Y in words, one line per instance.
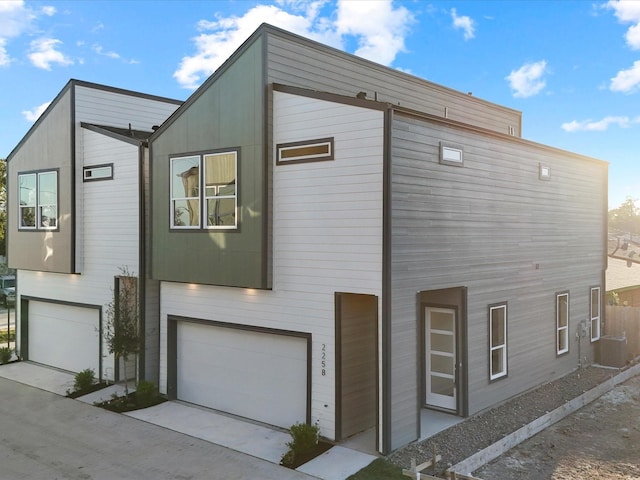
column 485, row 226
column 297, row 62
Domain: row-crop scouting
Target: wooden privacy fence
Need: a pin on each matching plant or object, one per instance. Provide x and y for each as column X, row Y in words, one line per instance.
column 624, row 321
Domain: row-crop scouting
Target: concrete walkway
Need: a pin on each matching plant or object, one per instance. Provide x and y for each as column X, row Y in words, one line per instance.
column 256, row 443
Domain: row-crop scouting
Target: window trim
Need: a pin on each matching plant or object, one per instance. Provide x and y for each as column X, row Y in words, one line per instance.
column 292, row 146
column 202, row 196
column 444, row 148
column 37, row 206
column 599, row 313
column 504, row 346
column 90, row 168
column 564, row 330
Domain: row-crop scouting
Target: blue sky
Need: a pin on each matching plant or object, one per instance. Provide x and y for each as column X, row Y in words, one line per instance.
column 571, row 67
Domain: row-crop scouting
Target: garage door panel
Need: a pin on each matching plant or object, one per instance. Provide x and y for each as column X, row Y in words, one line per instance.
column 64, row 336
column 258, row 375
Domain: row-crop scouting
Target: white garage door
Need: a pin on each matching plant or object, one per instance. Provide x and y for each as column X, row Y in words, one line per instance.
column 64, row 336
column 257, row 375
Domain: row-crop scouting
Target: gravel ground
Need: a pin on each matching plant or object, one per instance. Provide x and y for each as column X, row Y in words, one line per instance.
column 481, row 430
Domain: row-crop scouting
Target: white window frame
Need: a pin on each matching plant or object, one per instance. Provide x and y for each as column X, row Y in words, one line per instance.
column 502, row 347
column 202, row 197
column 562, row 331
column 38, row 202
column 595, row 315
column 95, row 173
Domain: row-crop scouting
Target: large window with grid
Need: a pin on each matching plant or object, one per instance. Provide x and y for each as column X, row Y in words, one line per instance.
column 562, row 323
column 38, row 199
column 595, row 313
column 204, row 191
column 497, row 341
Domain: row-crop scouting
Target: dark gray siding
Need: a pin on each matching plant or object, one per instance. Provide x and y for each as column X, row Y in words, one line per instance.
column 225, row 113
column 494, row 227
column 298, row 62
column 47, row 146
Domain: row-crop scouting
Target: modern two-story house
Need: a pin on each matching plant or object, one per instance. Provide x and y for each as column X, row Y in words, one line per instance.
column 329, row 241
column 76, row 225
column 345, row 244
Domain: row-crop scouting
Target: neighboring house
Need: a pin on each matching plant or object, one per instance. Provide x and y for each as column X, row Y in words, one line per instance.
column 342, row 243
column 76, row 186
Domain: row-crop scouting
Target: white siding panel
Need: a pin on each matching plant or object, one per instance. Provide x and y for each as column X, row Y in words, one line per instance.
column 327, row 224
column 110, row 229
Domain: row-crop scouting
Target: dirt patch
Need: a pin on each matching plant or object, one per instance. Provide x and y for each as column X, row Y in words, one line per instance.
column 600, row 441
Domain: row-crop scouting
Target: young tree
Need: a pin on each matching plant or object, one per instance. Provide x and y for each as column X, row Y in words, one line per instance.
column 122, row 332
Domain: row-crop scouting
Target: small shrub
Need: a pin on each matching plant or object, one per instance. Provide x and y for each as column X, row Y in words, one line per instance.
column 5, row 354
column 84, row 380
column 304, row 440
column 146, row 393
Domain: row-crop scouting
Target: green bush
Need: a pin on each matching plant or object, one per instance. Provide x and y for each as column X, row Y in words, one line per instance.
column 84, row 380
column 5, row 354
column 304, row 440
column 146, row 393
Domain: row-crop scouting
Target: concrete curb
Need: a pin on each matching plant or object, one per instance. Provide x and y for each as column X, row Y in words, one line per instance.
column 484, row 456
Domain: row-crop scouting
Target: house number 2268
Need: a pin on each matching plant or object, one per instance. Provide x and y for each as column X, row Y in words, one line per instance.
column 324, row 359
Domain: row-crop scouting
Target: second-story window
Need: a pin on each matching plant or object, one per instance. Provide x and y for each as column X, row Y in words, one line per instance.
column 204, row 191
column 38, row 193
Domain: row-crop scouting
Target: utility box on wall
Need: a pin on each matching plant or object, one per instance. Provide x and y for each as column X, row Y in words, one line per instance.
column 612, row 351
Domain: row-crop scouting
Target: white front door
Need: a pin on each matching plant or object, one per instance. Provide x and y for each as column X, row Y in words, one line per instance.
column 440, row 357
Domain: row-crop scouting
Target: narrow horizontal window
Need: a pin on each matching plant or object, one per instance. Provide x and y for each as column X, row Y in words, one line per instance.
column 97, row 172
column 306, row 151
column 451, row 154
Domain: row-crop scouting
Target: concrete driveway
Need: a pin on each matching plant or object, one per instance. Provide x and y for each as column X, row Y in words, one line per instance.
column 46, row 436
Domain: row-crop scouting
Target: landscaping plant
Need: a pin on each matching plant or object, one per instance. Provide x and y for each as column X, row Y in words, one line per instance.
column 84, row 380
column 5, row 354
column 304, row 441
column 146, row 393
column 122, row 330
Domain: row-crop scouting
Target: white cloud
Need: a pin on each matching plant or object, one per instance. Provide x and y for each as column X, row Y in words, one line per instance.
column 15, row 18
column 628, row 12
column 465, row 23
column 33, row 115
column 43, row 53
column 627, row 81
column 528, row 80
column 100, row 51
column 598, row 125
column 377, row 26
column 49, row 11
column 4, row 56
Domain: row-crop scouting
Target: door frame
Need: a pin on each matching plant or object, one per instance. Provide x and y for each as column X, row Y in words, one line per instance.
column 456, row 299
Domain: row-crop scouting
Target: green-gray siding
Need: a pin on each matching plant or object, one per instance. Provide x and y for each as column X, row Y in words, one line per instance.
column 227, row 114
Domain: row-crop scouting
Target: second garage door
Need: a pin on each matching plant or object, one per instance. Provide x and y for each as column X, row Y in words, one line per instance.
column 64, row 336
column 253, row 374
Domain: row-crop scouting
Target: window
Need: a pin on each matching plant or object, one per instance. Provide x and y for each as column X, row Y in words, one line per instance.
column 451, row 154
column 498, row 341
column 562, row 323
column 38, row 200
column 97, row 172
column 595, row 313
column 305, row 151
column 211, row 196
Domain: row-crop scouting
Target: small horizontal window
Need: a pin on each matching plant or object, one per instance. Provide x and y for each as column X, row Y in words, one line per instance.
column 306, row 151
column 98, row 172
column 451, row 155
